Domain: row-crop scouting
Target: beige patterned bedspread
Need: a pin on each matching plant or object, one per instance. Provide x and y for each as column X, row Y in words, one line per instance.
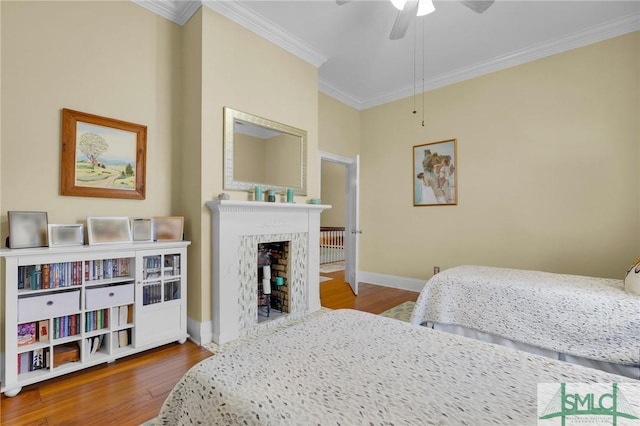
column 352, row 368
column 582, row 316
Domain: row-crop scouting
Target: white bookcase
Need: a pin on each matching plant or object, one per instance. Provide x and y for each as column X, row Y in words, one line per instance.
column 69, row 308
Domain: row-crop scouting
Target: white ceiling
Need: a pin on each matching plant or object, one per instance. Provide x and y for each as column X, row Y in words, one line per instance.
column 360, row 66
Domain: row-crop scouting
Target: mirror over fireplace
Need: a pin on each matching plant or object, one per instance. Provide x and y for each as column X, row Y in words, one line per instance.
column 259, row 151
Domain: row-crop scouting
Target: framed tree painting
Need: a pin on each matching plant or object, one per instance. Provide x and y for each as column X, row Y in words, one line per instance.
column 102, row 157
column 435, row 176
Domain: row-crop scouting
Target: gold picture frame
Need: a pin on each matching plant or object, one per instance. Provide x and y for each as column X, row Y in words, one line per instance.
column 435, row 174
column 102, row 157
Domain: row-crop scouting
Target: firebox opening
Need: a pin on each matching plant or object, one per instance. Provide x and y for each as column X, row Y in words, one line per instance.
column 273, row 280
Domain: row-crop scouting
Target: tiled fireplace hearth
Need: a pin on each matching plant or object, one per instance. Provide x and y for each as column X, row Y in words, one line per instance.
column 238, row 227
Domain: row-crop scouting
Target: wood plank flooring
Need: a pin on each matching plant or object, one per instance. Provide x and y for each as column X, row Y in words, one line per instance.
column 131, row 390
column 336, row 294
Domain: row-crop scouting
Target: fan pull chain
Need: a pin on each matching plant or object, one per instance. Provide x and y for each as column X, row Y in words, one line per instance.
column 423, row 55
column 414, row 71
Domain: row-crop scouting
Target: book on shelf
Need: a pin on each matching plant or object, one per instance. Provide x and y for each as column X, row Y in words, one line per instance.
column 124, row 338
column 94, row 344
column 68, row 325
column 43, row 331
column 26, row 333
column 49, row 275
column 106, row 268
column 123, row 314
column 37, row 358
column 33, row 360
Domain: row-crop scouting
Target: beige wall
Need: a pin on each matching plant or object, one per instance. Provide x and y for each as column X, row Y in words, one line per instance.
column 264, row 80
column 52, row 58
column 339, row 134
column 340, row 127
column 333, row 181
column 192, row 161
column 547, row 170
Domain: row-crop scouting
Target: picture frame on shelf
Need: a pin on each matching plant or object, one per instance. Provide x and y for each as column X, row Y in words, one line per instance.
column 108, row 230
column 142, row 229
column 66, row 235
column 435, row 173
column 27, row 229
column 168, row 228
column 102, row 157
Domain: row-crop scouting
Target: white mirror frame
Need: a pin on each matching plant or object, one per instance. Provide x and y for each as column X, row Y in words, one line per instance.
column 230, row 115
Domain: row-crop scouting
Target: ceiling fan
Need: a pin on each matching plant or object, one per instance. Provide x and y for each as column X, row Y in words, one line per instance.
column 407, row 9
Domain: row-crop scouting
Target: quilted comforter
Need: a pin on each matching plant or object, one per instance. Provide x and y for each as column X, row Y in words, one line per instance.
column 353, row 368
column 576, row 315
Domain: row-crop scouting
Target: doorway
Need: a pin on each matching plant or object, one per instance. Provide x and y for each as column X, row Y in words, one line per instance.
column 339, row 187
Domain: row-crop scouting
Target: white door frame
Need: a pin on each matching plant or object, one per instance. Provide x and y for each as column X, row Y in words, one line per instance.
column 351, row 214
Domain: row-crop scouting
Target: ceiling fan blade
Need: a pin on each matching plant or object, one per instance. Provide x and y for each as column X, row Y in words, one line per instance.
column 341, row 2
column 403, row 20
column 477, row 6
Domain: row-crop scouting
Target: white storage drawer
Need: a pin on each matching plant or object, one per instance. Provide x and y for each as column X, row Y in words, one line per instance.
column 48, row 306
column 104, row 297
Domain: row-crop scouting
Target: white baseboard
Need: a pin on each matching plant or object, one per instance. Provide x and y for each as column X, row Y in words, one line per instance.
column 411, row 284
column 199, row 332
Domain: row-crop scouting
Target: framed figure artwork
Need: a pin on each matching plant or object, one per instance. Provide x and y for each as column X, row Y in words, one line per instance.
column 435, row 174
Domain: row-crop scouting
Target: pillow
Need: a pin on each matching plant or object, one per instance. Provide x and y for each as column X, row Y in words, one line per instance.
column 632, row 280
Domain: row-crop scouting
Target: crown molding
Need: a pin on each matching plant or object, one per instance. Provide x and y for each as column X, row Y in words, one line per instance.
column 266, row 29
column 592, row 35
column 178, row 11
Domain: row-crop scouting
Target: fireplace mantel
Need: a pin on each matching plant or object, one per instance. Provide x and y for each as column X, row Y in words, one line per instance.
column 235, row 221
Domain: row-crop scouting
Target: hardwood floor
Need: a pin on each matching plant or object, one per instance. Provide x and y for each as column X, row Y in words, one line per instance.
column 336, row 294
column 131, row 390
column 128, row 391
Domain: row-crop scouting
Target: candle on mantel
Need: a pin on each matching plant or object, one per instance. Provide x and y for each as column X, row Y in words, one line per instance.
column 266, row 286
column 266, row 272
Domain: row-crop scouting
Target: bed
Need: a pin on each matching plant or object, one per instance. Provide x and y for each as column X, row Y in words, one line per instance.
column 584, row 320
column 353, row 368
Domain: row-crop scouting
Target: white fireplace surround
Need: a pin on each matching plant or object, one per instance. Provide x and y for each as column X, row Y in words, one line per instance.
column 237, row 227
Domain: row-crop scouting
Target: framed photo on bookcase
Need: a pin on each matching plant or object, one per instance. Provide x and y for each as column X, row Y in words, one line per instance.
column 108, row 230
column 27, row 229
column 66, row 235
column 168, row 228
column 142, row 229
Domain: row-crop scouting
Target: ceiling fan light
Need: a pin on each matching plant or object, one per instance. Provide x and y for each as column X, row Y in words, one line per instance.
column 398, row 4
column 425, row 7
